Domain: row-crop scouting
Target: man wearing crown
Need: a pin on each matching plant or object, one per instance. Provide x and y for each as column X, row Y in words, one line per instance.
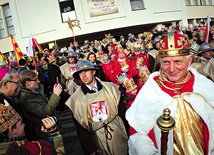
column 186, row 93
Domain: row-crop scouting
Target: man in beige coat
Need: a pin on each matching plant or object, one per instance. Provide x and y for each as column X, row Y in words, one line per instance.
column 206, row 64
column 95, row 110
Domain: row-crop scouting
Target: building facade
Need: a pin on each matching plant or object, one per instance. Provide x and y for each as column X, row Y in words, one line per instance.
column 47, row 20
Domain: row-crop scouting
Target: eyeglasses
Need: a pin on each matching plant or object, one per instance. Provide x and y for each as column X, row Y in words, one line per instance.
column 17, row 82
column 33, row 79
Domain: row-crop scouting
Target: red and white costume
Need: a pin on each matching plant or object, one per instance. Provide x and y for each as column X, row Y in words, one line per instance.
column 147, row 108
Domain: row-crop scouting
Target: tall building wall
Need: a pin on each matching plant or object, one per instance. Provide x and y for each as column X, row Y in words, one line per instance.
column 44, row 18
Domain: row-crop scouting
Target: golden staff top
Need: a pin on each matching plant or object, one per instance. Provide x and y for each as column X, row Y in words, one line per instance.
column 71, row 24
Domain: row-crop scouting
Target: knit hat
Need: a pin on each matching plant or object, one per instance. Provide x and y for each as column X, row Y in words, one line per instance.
column 3, row 71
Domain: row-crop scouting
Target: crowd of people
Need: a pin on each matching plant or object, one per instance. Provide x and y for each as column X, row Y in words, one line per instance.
column 115, row 89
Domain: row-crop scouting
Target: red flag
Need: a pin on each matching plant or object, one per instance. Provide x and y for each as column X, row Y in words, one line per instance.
column 207, row 31
column 17, row 51
column 36, row 44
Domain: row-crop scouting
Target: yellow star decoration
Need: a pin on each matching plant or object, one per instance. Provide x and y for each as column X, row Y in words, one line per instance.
column 72, row 23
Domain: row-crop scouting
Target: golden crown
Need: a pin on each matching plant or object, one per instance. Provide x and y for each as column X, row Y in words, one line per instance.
column 123, row 65
column 129, row 84
column 144, row 73
column 174, row 44
column 137, row 47
column 51, row 59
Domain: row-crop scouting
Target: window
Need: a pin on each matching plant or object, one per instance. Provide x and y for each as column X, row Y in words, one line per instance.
column 137, row 5
column 198, row 21
column 6, row 54
column 209, row 2
column 194, row 2
column 202, row 2
column 2, row 31
column 190, row 21
column 67, row 10
column 9, row 20
column 187, row 2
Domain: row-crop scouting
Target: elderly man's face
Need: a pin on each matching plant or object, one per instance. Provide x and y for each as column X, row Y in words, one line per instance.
column 175, row 68
column 14, row 85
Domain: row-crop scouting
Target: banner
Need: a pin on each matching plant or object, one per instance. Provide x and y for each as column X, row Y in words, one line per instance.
column 102, row 7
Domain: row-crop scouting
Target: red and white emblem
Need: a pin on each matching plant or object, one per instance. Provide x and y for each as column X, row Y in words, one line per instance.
column 99, row 111
column 73, row 69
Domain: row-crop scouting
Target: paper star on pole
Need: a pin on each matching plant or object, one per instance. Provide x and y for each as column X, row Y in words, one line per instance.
column 72, row 23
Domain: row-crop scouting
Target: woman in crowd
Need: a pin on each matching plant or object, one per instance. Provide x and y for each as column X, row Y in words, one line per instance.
column 97, row 64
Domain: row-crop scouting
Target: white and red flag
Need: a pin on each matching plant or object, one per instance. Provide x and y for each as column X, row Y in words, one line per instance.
column 30, row 51
column 207, row 31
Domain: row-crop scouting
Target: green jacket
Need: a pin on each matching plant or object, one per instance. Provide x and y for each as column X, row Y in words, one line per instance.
column 35, row 107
